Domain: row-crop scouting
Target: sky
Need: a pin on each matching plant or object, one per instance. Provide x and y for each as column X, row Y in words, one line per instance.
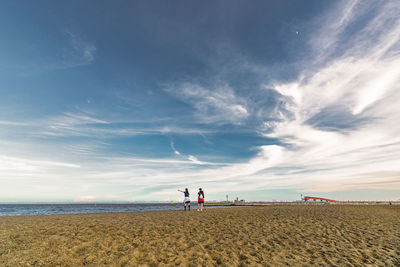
column 108, row 101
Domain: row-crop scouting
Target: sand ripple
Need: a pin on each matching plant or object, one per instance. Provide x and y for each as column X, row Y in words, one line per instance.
column 306, row 235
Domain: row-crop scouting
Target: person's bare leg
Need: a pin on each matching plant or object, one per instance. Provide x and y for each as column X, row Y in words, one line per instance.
column 201, row 206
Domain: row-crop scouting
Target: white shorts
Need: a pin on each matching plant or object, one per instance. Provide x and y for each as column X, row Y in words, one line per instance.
column 187, row 200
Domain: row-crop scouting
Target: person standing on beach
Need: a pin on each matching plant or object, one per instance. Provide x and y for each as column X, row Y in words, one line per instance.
column 200, row 200
column 186, row 201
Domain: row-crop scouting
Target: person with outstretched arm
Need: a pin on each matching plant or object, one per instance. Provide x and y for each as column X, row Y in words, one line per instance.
column 200, row 200
column 186, row 201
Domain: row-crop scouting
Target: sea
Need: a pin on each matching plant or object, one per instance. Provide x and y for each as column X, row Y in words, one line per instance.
column 47, row 209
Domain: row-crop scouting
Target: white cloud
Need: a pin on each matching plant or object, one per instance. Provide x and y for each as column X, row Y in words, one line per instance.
column 13, row 123
column 191, row 158
column 364, row 78
column 85, row 123
column 174, row 149
column 219, row 104
column 21, row 164
column 194, row 160
column 376, row 89
column 72, row 124
column 70, row 118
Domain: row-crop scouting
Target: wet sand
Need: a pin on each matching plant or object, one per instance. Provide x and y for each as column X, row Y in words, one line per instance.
column 303, row 235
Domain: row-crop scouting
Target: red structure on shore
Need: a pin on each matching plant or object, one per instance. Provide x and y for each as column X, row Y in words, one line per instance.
column 318, row 198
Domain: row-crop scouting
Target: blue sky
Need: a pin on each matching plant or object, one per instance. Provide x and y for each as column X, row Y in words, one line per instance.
column 131, row 100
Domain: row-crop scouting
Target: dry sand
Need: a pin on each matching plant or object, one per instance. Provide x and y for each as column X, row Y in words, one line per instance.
column 304, row 235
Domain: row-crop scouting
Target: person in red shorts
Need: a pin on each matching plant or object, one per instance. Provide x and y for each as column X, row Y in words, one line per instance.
column 200, row 200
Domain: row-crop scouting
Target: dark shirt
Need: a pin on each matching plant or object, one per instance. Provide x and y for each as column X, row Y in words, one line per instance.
column 186, row 193
column 201, row 193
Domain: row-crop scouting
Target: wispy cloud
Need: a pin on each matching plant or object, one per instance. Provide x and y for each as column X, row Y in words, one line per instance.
column 71, row 124
column 334, row 23
column 174, row 149
column 360, row 82
column 14, row 123
column 82, row 52
column 34, row 56
column 218, row 104
column 85, row 123
column 191, row 158
column 15, row 164
column 70, row 118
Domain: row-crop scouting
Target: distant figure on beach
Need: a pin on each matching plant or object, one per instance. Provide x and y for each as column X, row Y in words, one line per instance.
column 200, row 200
column 186, row 201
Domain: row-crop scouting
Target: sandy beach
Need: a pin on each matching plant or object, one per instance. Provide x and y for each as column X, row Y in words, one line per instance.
column 303, row 235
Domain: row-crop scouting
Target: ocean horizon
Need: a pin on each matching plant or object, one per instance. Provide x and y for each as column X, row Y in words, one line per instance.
column 81, row 208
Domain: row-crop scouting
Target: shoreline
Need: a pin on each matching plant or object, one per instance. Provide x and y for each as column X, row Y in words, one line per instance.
column 212, row 206
column 108, row 212
column 176, row 208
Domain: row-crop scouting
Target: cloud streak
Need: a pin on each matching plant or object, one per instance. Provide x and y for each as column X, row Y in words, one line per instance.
column 361, row 82
column 213, row 105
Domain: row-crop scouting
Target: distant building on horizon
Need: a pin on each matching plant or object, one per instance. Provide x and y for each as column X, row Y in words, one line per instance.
column 237, row 201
